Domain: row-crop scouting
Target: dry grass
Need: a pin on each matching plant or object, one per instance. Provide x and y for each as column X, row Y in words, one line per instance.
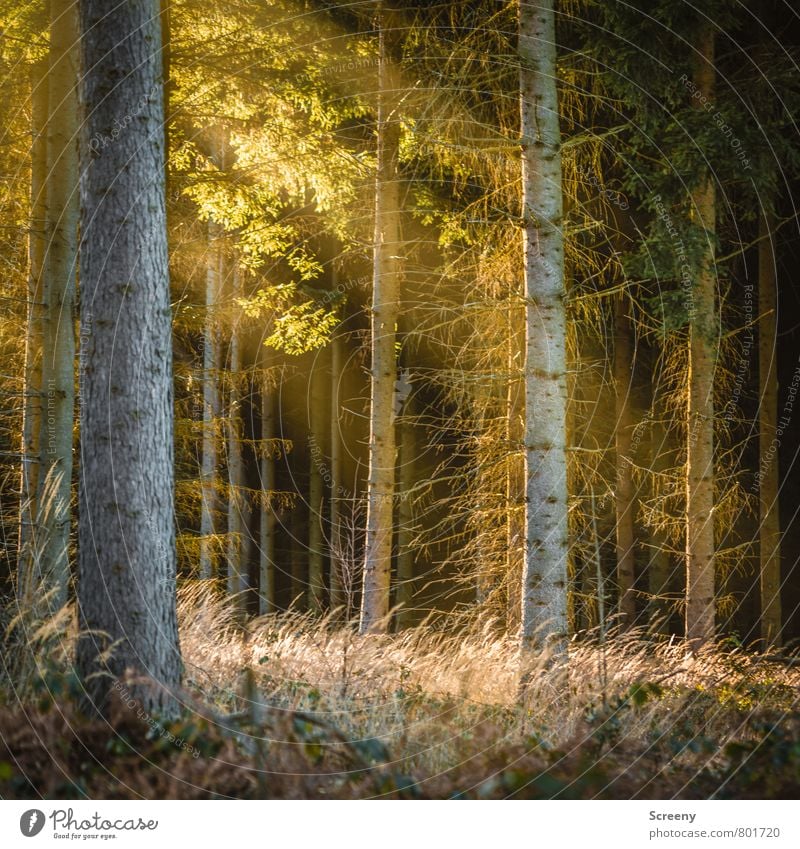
column 297, row 707
column 438, row 699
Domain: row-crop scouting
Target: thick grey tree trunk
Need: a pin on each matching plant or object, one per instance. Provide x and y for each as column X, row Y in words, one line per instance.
column 127, row 561
column 625, row 501
column 58, row 360
column 28, row 561
column 700, row 602
column 209, row 469
column 544, row 587
column 769, row 482
column 385, row 283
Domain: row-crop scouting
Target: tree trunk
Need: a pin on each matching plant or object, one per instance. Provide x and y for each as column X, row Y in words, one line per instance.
column 544, row 589
column 209, row 482
column 405, row 516
column 336, row 490
column 318, row 420
column 588, row 407
column 127, row 559
column 659, row 566
column 237, row 510
column 58, row 360
column 297, row 549
column 769, row 481
column 380, row 486
column 27, row 581
column 266, row 596
column 625, row 495
column 700, row 603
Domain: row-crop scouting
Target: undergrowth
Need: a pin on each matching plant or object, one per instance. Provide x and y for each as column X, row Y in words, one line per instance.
column 297, row 707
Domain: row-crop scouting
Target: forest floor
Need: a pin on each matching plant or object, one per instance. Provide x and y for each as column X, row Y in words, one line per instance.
column 293, row 708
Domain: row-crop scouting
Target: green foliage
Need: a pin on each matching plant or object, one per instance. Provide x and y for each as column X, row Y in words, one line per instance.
column 298, row 326
column 608, row 719
column 767, row 765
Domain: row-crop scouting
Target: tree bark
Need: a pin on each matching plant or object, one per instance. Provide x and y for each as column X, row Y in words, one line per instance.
column 27, row 581
column 625, row 495
column 209, row 482
column 380, row 486
column 266, row 603
column 58, row 360
column 127, row 559
column 544, row 589
column 769, row 481
column 700, row 591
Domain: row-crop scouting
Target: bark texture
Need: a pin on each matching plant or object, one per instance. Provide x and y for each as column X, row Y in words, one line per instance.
column 127, row 562
column 380, row 486
column 700, row 584
column 58, row 360
column 544, row 587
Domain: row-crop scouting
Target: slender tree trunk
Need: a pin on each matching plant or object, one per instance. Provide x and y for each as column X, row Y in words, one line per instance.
column 127, row 559
column 209, row 481
column 336, row 490
column 700, row 605
column 625, row 494
column 32, row 401
column 598, row 570
column 769, row 482
column 659, row 567
column 237, row 528
column 405, row 516
column 318, row 420
column 266, row 603
column 297, row 543
column 380, row 487
column 544, row 592
column 58, row 360
column 588, row 406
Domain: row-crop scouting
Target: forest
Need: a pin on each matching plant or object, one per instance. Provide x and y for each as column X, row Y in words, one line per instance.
column 398, row 399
